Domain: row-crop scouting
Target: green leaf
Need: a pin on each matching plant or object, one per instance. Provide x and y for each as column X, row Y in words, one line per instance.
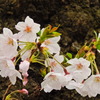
column 55, row 34
column 69, row 55
column 65, row 59
column 39, row 33
column 49, row 32
column 98, row 46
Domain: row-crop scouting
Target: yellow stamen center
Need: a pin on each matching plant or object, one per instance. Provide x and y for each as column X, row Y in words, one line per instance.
column 79, row 66
column 53, row 77
column 10, row 41
column 53, row 64
column 28, row 29
column 97, row 79
column 47, row 42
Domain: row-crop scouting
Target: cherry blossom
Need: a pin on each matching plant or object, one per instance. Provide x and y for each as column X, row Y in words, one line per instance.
column 27, row 30
column 74, row 85
column 54, row 81
column 8, row 45
column 79, row 68
column 7, row 69
column 91, row 86
column 52, row 45
column 54, row 65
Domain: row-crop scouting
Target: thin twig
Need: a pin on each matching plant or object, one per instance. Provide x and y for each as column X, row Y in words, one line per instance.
column 4, row 96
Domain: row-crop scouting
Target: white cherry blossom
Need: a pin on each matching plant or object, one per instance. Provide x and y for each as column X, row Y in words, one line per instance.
column 79, row 69
column 91, row 86
column 55, row 81
column 27, row 30
column 8, row 45
column 52, row 45
column 74, row 85
column 7, row 69
column 54, row 65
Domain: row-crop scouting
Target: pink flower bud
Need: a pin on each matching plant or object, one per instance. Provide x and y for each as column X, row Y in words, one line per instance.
column 25, row 80
column 24, row 91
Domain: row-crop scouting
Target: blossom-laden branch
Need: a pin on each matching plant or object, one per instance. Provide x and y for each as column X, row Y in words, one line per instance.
column 79, row 72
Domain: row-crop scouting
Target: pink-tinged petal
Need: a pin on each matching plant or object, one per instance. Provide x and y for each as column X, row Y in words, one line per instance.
column 27, row 37
column 55, row 39
column 7, row 68
column 12, row 79
column 9, row 43
column 54, row 48
column 36, row 28
column 59, row 58
column 84, row 62
column 10, row 64
column 29, row 21
column 73, row 61
column 25, row 81
column 70, row 69
column 54, row 81
column 23, row 67
column 54, row 66
column 13, row 76
column 74, row 85
column 20, row 26
column 7, row 32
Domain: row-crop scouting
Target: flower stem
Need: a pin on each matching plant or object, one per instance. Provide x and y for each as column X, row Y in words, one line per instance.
column 95, row 66
column 4, row 96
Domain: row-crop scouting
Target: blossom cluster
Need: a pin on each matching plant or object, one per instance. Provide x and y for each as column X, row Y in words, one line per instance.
column 79, row 73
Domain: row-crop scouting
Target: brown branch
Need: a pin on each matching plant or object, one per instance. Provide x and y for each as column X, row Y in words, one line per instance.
column 4, row 96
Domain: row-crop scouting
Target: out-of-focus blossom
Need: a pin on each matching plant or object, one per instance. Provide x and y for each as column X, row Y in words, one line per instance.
column 79, row 69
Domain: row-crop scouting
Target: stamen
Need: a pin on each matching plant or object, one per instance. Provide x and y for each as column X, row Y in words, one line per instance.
column 97, row 79
column 47, row 42
column 53, row 64
column 53, row 77
column 10, row 41
column 28, row 29
column 79, row 66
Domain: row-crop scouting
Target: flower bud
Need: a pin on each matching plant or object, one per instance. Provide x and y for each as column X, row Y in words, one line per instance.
column 24, row 91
